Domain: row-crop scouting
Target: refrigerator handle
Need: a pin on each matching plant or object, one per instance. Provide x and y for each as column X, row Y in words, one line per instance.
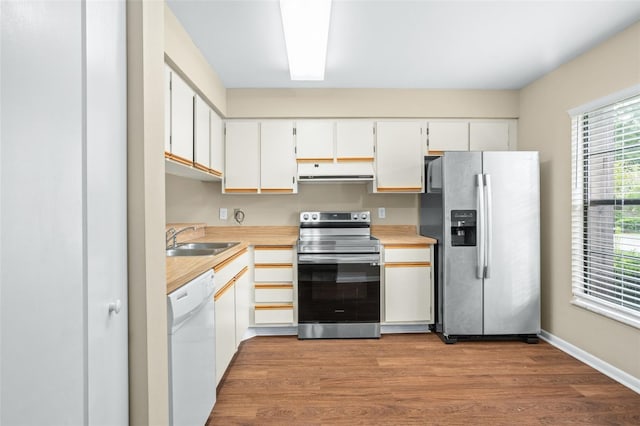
column 480, row 224
column 489, row 226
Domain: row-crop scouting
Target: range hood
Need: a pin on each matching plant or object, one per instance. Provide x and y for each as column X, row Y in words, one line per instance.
column 335, row 172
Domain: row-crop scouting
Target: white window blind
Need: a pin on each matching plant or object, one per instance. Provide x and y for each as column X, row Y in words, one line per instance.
column 606, row 210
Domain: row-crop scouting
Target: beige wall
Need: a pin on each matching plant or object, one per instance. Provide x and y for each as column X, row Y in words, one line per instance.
column 378, row 103
column 194, row 201
column 545, row 126
column 183, row 56
column 148, row 355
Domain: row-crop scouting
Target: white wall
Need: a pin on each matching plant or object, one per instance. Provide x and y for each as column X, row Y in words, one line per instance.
column 42, row 323
column 61, row 138
column 545, row 126
column 106, row 215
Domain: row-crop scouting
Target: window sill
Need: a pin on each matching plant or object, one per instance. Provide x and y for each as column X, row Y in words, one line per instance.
column 607, row 311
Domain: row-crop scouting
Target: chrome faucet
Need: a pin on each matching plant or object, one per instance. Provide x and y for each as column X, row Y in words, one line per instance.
column 172, row 234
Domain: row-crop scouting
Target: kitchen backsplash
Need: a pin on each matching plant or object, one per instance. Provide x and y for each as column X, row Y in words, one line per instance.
column 195, row 201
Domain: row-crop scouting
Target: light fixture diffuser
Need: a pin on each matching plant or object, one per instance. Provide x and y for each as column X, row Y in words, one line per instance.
column 306, row 32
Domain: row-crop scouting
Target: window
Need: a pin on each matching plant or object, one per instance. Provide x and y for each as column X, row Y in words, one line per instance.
column 606, row 209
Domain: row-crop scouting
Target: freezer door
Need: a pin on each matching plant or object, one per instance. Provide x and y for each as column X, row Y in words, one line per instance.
column 512, row 288
column 461, row 288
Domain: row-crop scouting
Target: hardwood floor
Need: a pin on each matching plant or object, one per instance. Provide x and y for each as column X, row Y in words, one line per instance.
column 415, row 379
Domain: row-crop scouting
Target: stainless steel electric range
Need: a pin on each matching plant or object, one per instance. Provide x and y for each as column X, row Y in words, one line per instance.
column 338, row 276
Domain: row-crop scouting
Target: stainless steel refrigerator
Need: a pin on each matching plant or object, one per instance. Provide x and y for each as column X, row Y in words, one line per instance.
column 483, row 208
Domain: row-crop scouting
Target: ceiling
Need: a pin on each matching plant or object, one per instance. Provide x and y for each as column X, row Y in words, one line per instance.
column 406, row 44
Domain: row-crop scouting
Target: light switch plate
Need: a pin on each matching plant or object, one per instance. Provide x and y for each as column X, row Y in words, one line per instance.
column 223, row 213
column 382, row 213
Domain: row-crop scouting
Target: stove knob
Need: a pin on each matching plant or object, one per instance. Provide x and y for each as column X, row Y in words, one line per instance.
column 355, row 216
column 314, row 217
column 305, row 216
column 363, row 216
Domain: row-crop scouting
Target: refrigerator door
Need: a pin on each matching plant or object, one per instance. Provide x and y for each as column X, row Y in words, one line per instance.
column 512, row 250
column 461, row 288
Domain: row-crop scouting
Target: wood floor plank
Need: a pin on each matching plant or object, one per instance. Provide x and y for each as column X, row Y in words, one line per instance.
column 415, row 379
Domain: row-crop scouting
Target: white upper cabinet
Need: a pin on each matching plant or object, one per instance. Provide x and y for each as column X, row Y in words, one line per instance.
column 489, row 135
column 314, row 140
column 167, row 108
column 354, row 140
column 399, row 156
column 448, row 136
column 202, row 157
column 242, row 157
column 216, row 128
column 277, row 157
column 181, row 119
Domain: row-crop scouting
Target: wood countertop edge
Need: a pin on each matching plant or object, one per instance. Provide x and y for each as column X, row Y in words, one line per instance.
column 404, row 239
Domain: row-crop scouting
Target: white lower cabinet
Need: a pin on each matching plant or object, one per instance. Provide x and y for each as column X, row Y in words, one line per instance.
column 243, row 303
column 274, row 289
column 232, row 305
column 408, row 284
column 407, row 293
column 225, row 329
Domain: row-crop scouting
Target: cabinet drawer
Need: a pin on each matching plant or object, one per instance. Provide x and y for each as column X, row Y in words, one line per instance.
column 273, row 273
column 274, row 314
column 227, row 269
column 274, row 293
column 407, row 253
column 273, row 254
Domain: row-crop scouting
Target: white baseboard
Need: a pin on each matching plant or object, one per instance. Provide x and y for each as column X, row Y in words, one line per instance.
column 605, row 368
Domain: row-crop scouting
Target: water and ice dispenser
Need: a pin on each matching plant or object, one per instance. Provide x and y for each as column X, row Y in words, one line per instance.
column 463, row 228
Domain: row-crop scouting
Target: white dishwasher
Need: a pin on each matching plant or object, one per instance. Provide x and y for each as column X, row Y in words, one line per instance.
column 192, row 351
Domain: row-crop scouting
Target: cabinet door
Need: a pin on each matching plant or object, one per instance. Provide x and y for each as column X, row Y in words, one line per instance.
column 242, row 153
column 181, row 118
column 354, row 140
column 225, row 329
column 277, row 157
column 448, row 136
column 399, row 157
column 489, row 136
column 314, row 140
column 201, row 140
column 167, row 108
column 407, row 293
column 243, row 304
column 216, row 162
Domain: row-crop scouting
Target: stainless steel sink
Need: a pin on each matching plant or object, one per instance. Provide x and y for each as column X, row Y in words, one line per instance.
column 190, row 252
column 207, row 246
column 200, row 249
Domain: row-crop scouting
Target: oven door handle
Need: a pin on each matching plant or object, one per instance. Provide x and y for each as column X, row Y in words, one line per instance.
column 372, row 259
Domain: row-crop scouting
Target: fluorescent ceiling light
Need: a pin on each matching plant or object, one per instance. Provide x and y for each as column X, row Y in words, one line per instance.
column 306, row 32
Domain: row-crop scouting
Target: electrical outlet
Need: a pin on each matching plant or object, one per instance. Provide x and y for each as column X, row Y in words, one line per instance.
column 382, row 213
column 223, row 213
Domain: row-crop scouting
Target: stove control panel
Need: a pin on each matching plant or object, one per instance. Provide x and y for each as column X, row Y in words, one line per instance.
column 333, row 217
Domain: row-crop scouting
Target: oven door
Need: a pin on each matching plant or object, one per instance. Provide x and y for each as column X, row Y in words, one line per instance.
column 338, row 288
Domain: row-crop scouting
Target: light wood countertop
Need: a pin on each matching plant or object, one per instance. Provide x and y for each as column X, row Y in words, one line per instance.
column 182, row 269
column 399, row 234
